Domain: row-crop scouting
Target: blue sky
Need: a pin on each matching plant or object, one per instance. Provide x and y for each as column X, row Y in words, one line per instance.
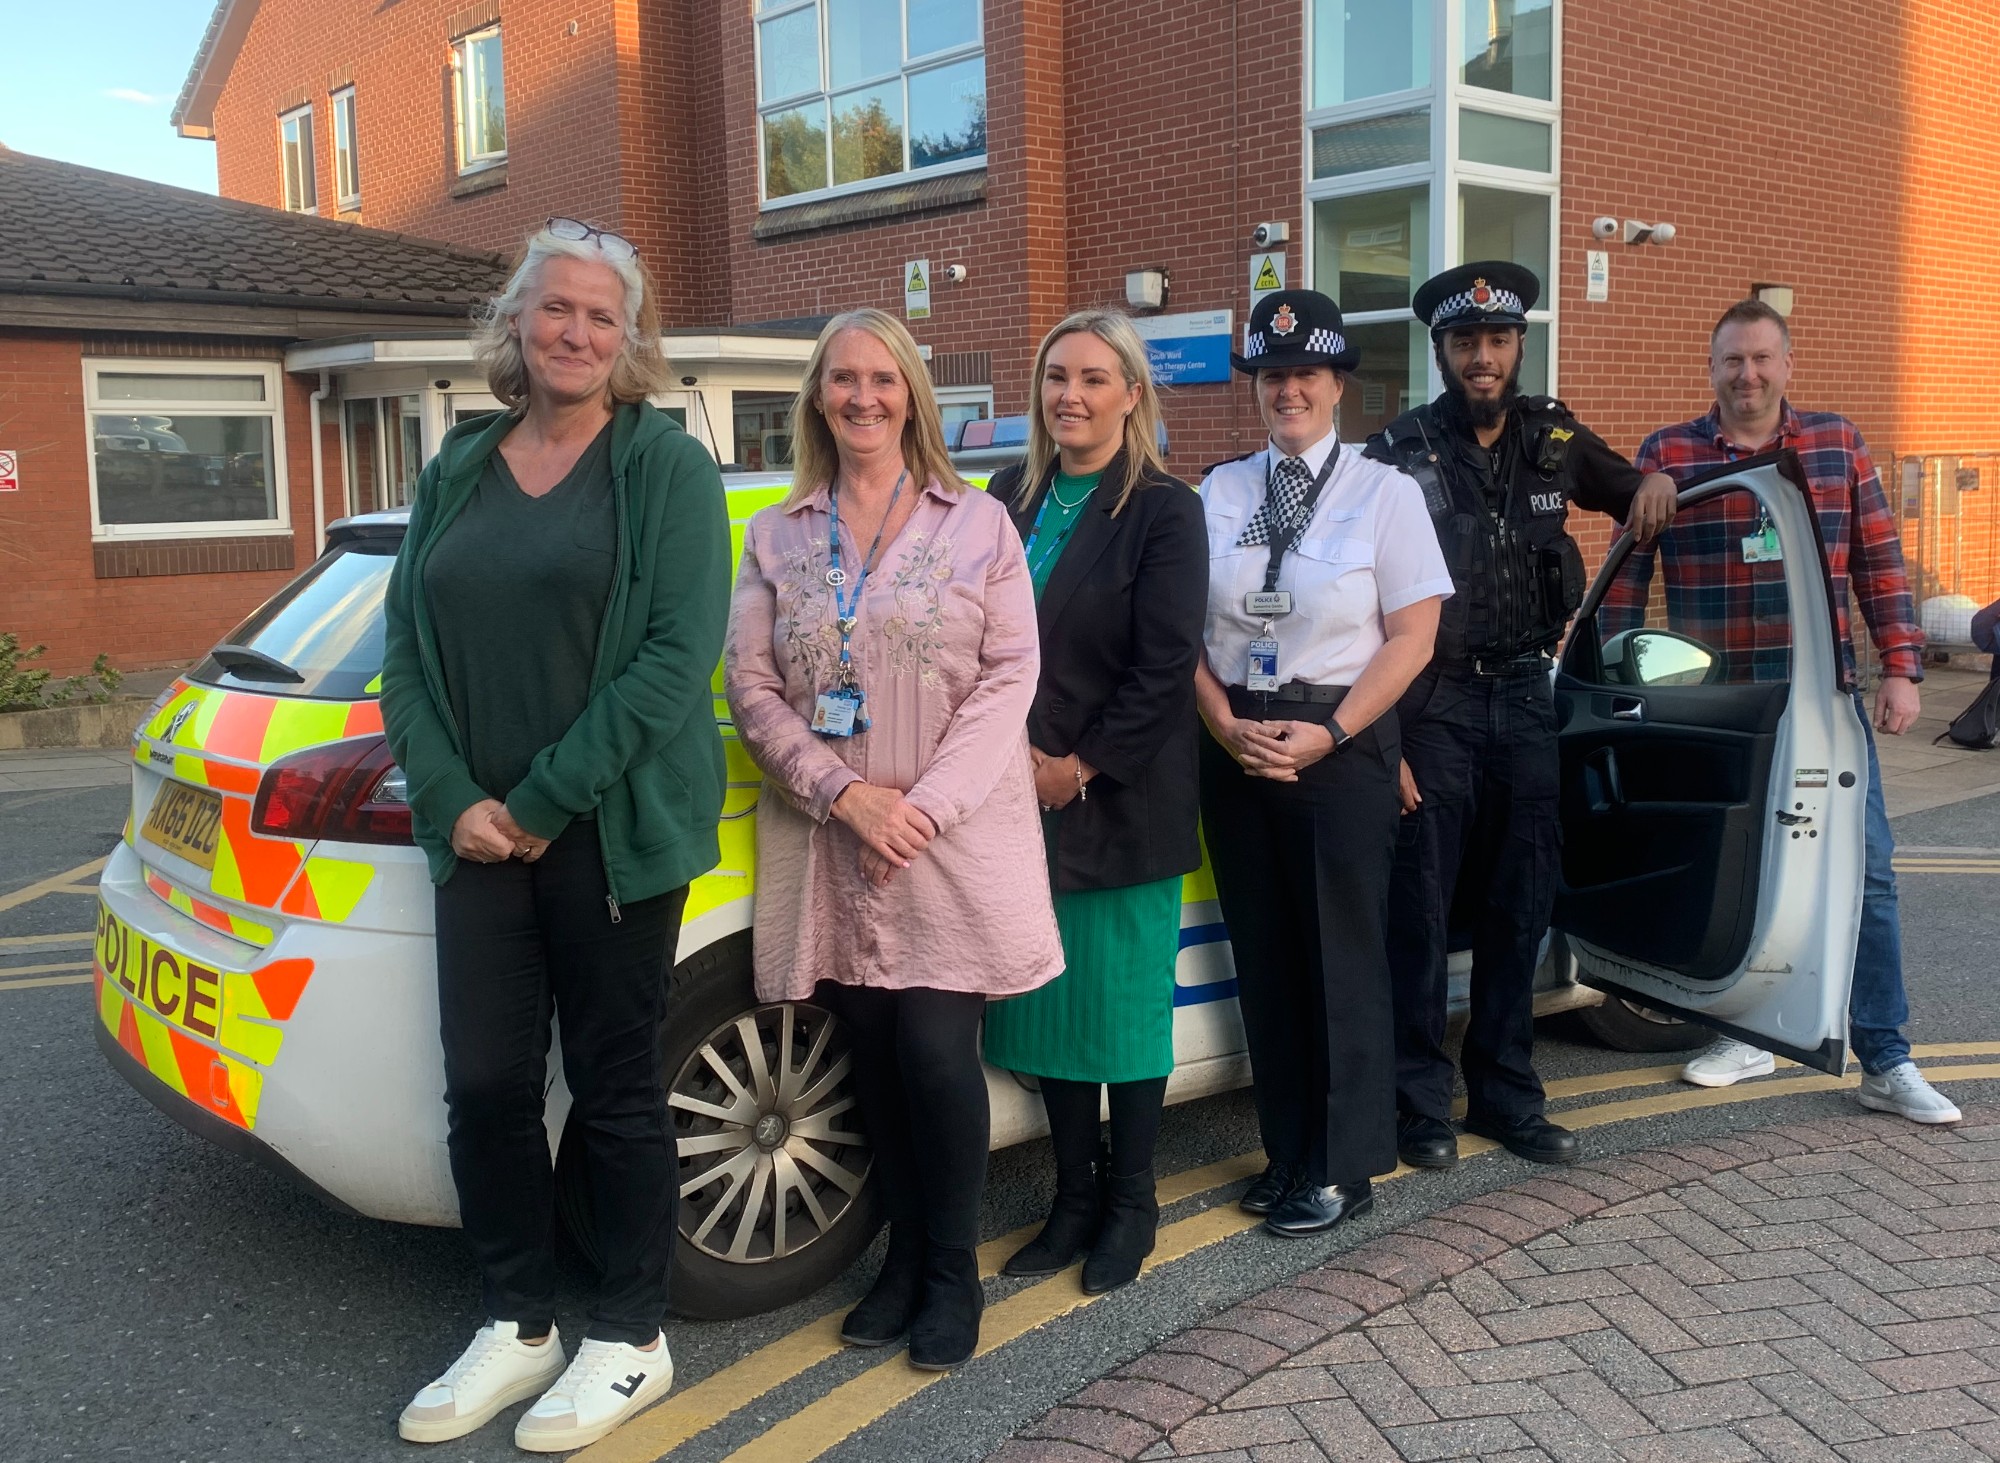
column 93, row 81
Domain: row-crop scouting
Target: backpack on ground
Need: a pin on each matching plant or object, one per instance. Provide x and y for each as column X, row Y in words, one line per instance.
column 1978, row 726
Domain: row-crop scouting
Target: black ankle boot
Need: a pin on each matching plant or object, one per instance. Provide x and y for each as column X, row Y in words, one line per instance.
column 884, row 1314
column 946, row 1329
column 1130, row 1221
column 1072, row 1224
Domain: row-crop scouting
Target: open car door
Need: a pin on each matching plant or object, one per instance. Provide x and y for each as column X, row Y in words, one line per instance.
column 1715, row 771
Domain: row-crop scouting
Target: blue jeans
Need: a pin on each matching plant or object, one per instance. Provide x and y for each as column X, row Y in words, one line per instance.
column 1878, row 1007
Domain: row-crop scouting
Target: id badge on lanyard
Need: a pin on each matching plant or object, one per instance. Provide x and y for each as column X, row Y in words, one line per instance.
column 1270, row 602
column 838, row 712
column 1762, row 547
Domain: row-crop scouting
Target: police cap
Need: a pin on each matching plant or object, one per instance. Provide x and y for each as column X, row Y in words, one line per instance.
column 1487, row 292
column 1295, row 328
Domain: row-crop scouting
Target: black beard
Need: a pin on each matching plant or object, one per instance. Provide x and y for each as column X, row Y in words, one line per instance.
column 1482, row 414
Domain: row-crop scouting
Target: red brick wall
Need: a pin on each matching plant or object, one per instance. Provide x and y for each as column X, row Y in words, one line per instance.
column 49, row 591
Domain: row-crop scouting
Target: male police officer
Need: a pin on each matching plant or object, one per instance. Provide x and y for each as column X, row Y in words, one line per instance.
column 1499, row 471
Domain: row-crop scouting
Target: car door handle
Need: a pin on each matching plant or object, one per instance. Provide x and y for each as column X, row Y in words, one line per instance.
column 1627, row 708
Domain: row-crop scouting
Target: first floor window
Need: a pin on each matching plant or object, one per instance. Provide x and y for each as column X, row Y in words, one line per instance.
column 481, row 100
column 346, row 158
column 185, row 448
column 295, row 147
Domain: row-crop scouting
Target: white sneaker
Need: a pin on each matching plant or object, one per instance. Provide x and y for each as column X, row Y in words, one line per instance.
column 494, row 1372
column 1728, row 1062
column 608, row 1382
column 1902, row 1090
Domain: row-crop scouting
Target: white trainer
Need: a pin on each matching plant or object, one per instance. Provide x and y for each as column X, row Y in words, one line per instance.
column 608, row 1382
column 1728, row 1062
column 1903, row 1091
column 497, row 1370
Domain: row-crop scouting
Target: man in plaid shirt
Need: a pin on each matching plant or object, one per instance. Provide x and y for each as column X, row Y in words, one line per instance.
column 1724, row 588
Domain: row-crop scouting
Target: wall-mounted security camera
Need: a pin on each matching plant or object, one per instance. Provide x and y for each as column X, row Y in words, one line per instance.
column 1664, row 233
column 1642, row 233
column 1605, row 227
column 687, row 380
column 1266, row 234
column 955, row 273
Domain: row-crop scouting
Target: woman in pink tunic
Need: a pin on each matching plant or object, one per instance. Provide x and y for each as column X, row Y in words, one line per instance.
column 882, row 657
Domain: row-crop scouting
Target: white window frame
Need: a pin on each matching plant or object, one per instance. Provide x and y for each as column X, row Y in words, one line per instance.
column 461, row 136
column 273, row 405
column 931, row 61
column 346, row 151
column 1445, row 173
column 308, row 199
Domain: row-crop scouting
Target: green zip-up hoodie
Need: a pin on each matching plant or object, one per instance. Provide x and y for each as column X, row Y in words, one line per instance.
column 645, row 754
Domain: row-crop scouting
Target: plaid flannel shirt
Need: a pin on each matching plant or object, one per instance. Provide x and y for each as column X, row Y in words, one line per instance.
column 1718, row 597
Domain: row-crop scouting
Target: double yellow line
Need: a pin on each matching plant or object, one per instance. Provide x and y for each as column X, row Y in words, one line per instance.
column 864, row 1399
column 1946, row 864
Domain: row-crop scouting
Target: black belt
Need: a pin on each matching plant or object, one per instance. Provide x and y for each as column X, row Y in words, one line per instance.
column 1316, row 695
column 1244, row 702
column 1502, row 667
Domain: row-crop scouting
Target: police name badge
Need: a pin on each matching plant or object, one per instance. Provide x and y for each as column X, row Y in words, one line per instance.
column 1263, row 604
column 835, row 712
column 1263, row 668
column 1762, row 547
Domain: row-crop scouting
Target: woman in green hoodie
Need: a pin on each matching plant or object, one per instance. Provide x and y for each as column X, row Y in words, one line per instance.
column 553, row 621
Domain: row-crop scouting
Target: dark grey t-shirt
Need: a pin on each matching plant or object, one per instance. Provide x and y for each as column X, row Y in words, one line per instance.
column 517, row 588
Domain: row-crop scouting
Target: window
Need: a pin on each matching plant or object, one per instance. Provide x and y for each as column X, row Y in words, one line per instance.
column 1509, row 45
column 185, row 448
column 295, row 150
column 851, row 92
column 481, row 100
column 763, row 421
column 346, row 159
column 385, row 451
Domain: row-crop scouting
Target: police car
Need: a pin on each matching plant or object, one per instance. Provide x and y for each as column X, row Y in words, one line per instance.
column 264, row 968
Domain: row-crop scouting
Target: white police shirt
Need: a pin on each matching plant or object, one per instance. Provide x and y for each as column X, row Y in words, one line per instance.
column 1368, row 550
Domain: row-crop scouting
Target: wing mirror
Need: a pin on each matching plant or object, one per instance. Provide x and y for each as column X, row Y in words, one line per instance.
column 1659, row 658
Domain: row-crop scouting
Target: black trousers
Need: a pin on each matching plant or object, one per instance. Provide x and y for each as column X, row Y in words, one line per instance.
column 1302, row 872
column 517, row 943
column 1483, row 752
column 923, row 1099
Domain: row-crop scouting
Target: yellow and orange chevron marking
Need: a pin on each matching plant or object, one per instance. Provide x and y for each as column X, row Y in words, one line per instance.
column 208, row 1034
column 234, row 925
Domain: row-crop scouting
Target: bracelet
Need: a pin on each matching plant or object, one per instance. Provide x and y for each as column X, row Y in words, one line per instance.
column 1076, row 770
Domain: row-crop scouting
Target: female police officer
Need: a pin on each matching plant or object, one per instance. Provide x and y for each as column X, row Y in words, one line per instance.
column 1325, row 581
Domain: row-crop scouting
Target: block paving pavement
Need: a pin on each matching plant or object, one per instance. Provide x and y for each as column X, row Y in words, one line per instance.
column 1820, row 1291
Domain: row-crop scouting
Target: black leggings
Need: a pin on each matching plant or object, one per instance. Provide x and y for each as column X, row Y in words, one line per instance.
column 1135, row 1121
column 923, row 1099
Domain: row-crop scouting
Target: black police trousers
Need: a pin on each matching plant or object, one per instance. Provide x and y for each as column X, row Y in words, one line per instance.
column 1487, row 833
column 1302, row 874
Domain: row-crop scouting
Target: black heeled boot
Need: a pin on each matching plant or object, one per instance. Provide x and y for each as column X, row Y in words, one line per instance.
column 1073, row 1222
column 1131, row 1219
column 884, row 1314
column 946, row 1329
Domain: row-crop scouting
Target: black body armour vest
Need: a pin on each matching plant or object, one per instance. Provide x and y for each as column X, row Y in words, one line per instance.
column 1517, row 574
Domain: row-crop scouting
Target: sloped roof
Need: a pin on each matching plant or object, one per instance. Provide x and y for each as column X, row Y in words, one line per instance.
column 72, row 230
column 194, row 110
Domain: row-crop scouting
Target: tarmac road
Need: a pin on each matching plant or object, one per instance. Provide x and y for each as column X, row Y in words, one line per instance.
column 165, row 1300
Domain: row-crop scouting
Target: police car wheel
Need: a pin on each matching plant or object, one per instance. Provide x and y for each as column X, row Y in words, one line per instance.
column 774, row 1174
column 1627, row 1026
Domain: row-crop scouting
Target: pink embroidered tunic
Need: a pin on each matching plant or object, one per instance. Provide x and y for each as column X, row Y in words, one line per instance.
column 946, row 651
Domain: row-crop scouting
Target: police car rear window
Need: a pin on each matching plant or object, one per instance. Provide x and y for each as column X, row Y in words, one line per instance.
column 326, row 626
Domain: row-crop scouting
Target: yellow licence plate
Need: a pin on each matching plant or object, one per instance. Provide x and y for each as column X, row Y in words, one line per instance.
column 187, row 821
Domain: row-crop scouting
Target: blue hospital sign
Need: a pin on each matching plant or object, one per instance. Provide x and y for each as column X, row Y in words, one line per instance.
column 1184, row 349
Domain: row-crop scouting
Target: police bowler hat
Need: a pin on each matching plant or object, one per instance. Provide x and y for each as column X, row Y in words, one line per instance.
column 1487, row 292
column 1295, row 328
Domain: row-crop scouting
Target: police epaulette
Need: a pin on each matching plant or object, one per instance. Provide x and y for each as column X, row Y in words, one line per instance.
column 1545, row 403
column 1239, row 457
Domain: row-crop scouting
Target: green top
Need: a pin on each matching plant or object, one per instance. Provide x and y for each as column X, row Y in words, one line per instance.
column 644, row 754
column 517, row 586
column 1055, row 520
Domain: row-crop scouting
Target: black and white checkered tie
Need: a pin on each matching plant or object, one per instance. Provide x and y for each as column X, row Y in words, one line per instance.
column 1281, row 503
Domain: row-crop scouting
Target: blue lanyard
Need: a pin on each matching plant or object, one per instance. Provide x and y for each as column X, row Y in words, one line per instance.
column 1035, row 530
column 846, row 607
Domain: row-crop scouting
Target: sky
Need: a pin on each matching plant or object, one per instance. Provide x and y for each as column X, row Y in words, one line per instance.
column 94, row 81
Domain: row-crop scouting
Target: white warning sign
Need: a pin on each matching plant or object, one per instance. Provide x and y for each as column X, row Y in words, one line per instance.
column 1267, row 276
column 917, row 290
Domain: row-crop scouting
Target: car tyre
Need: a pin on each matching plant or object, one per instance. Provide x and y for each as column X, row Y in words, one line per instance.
column 1627, row 1026
column 786, row 1205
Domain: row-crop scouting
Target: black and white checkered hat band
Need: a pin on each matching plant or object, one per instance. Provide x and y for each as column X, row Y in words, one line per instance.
column 1328, row 342
column 1498, row 301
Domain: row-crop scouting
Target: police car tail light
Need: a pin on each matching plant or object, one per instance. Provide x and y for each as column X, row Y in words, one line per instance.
column 352, row 791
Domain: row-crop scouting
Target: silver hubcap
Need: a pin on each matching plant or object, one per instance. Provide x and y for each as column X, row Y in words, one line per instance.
column 767, row 1165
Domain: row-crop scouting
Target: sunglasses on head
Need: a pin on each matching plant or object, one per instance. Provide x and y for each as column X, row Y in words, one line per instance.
column 613, row 246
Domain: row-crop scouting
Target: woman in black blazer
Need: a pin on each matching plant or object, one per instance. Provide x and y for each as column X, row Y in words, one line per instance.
column 1118, row 552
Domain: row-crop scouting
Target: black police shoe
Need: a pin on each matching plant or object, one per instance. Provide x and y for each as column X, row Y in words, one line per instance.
column 1309, row 1208
column 1527, row 1135
column 1269, row 1189
column 1423, row 1142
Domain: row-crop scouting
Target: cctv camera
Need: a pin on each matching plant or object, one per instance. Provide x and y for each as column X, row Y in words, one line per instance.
column 1664, row 233
column 1267, row 234
column 1604, row 228
column 955, row 273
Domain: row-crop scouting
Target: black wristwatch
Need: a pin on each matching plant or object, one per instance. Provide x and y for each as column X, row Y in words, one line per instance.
column 1340, row 737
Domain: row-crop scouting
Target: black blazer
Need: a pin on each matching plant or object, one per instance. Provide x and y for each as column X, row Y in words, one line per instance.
column 1121, row 626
